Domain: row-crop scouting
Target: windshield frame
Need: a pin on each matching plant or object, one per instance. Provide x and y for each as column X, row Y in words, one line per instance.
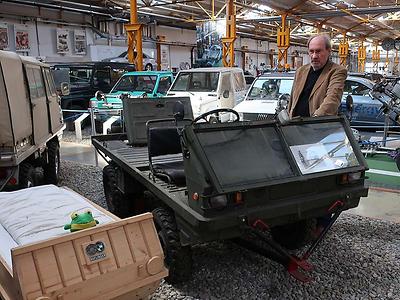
column 155, row 78
column 269, row 96
column 191, row 82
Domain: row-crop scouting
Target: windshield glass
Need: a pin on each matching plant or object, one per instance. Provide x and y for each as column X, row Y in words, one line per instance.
column 135, row 83
column 196, row 82
column 320, row 147
column 270, row 88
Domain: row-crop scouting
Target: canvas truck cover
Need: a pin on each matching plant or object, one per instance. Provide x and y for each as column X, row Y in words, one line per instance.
column 15, row 115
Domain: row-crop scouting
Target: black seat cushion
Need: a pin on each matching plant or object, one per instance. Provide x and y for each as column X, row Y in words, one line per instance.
column 174, row 170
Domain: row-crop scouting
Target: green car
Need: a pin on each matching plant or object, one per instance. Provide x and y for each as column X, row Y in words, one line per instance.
column 141, row 84
column 150, row 84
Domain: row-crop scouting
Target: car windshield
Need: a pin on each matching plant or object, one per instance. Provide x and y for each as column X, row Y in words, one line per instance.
column 135, row 83
column 270, row 88
column 75, row 76
column 196, row 82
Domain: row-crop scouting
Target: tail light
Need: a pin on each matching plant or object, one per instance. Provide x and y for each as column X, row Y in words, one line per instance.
column 350, row 178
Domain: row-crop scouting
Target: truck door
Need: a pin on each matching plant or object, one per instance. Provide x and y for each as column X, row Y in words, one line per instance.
column 164, row 82
column 226, row 93
column 38, row 103
column 53, row 105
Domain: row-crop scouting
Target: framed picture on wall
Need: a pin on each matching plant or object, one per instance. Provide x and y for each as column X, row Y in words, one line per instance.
column 3, row 36
column 22, row 38
column 80, row 42
column 62, row 41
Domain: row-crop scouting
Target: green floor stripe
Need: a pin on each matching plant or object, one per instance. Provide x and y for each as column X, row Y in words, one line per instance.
column 382, row 162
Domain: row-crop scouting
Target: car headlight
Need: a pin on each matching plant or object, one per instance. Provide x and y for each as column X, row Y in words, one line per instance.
column 93, row 104
column 240, row 116
column 218, row 202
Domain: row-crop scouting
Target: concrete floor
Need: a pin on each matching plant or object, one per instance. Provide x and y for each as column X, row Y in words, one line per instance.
column 380, row 203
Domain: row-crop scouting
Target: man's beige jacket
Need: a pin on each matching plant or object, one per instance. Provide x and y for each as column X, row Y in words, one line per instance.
column 327, row 93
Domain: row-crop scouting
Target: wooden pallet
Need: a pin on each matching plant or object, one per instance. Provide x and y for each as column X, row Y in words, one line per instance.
column 130, row 265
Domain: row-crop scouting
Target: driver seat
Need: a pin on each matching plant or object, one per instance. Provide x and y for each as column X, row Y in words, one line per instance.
column 163, row 141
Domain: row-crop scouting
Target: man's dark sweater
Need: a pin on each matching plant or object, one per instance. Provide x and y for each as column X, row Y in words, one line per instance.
column 302, row 109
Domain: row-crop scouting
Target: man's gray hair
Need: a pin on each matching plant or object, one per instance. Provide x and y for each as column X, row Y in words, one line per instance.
column 326, row 38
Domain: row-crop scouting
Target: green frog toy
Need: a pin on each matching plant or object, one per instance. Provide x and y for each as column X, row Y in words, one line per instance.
column 81, row 221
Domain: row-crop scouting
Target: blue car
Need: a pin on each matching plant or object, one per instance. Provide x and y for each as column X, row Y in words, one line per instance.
column 366, row 110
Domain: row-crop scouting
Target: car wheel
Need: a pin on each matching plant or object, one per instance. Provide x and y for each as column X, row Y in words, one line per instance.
column 117, row 202
column 294, row 235
column 149, row 67
column 178, row 259
column 52, row 168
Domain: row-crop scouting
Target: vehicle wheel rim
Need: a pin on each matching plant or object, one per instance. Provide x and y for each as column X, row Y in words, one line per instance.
column 29, row 184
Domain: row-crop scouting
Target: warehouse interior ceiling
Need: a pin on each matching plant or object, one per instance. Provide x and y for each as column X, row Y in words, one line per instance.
column 367, row 20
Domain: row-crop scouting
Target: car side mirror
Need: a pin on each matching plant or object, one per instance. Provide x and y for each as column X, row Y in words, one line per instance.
column 99, row 95
column 349, row 103
column 65, row 88
column 179, row 111
column 225, row 94
column 283, row 102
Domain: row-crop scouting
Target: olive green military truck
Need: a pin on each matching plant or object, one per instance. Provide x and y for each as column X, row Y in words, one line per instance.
column 217, row 181
column 30, row 122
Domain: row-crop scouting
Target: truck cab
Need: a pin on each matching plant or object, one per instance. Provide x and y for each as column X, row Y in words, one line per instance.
column 210, row 88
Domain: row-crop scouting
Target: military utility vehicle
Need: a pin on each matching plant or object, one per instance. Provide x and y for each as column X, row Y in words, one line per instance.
column 215, row 181
column 30, row 122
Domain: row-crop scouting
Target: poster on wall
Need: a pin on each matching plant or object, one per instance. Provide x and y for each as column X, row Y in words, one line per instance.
column 3, row 36
column 22, row 39
column 80, row 42
column 62, row 41
column 164, row 57
column 209, row 45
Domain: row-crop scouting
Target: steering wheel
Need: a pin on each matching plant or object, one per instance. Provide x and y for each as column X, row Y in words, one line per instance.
column 217, row 112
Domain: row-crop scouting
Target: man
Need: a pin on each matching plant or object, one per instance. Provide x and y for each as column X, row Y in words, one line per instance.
column 318, row 87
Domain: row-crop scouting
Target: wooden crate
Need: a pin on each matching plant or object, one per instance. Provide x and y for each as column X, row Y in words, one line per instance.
column 121, row 259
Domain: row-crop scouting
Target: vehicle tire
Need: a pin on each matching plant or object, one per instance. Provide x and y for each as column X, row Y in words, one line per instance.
column 294, row 235
column 27, row 176
column 117, row 202
column 149, row 67
column 52, row 168
column 178, row 259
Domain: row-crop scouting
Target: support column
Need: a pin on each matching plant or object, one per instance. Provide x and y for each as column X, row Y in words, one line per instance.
column 376, row 57
column 283, row 43
column 387, row 62
column 343, row 50
column 395, row 70
column 134, row 32
column 362, row 55
column 228, row 42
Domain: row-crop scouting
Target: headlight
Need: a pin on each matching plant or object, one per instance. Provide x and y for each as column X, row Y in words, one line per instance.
column 218, row 202
column 240, row 116
column 350, row 177
column 93, row 104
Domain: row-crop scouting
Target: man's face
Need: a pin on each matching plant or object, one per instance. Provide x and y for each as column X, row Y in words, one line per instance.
column 318, row 53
